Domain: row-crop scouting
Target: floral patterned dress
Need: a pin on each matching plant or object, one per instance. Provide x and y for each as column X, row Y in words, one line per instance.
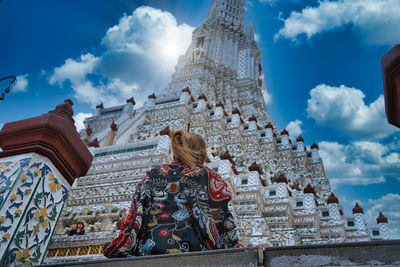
column 176, row 209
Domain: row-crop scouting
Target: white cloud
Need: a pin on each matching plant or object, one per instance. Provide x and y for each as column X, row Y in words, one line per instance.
column 151, row 32
column 111, row 93
column 344, row 110
column 376, row 21
column 267, row 97
column 395, row 143
column 359, row 163
column 257, row 37
column 140, row 54
column 294, row 128
column 21, row 84
column 79, row 118
column 389, row 205
column 74, row 70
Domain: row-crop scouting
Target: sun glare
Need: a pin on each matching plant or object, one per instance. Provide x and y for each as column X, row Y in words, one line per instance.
column 170, row 51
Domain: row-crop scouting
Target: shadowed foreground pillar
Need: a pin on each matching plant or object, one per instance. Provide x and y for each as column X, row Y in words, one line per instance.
column 391, row 83
column 40, row 160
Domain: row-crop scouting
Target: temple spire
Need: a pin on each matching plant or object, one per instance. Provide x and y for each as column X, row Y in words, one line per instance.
column 250, row 31
column 229, row 13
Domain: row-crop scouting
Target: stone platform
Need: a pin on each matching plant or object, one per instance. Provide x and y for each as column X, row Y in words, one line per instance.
column 378, row 253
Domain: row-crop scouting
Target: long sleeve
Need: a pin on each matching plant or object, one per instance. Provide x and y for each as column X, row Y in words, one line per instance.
column 227, row 228
column 220, row 195
column 126, row 239
column 203, row 221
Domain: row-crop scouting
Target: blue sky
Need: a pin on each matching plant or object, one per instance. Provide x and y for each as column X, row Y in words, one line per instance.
column 321, row 63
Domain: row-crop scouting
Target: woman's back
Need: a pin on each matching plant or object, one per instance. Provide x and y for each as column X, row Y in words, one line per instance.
column 178, row 207
column 167, row 222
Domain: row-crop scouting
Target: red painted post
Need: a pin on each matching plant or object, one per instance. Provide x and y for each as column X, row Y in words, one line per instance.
column 391, row 83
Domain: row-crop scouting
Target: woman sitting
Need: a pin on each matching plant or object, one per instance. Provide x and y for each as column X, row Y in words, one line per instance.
column 79, row 229
column 178, row 207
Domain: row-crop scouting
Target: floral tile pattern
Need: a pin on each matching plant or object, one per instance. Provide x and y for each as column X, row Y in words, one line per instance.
column 32, row 196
